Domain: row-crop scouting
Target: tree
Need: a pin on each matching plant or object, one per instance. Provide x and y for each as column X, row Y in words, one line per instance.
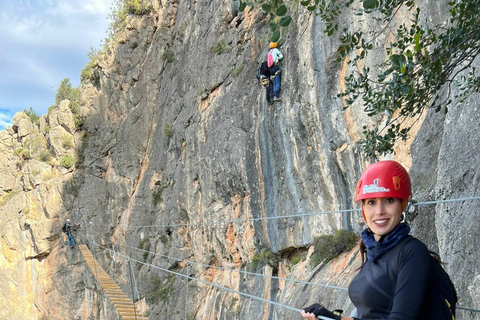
column 66, row 91
column 422, row 63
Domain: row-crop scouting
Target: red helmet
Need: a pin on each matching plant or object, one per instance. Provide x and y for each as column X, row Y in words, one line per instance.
column 384, row 179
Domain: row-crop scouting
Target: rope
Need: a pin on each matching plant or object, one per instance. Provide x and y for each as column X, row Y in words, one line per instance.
column 186, row 290
column 231, row 270
column 263, row 275
column 214, row 285
column 238, row 292
column 131, row 285
column 300, row 215
column 240, row 271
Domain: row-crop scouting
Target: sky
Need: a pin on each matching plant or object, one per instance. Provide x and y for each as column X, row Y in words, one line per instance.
column 43, row 42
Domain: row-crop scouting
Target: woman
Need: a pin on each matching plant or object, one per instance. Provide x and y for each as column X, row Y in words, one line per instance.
column 275, row 72
column 394, row 281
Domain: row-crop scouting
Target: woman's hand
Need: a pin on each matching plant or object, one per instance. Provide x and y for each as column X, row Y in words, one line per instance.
column 308, row 315
column 315, row 310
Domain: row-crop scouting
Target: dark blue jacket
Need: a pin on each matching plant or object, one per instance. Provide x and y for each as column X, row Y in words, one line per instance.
column 376, row 296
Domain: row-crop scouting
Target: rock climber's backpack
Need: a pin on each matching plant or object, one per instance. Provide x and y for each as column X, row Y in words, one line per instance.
column 270, row 58
column 445, row 306
column 263, row 74
column 441, row 305
column 64, row 228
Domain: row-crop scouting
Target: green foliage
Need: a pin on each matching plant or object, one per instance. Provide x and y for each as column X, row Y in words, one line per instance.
column 144, row 244
column 66, row 91
column 235, row 72
column 45, row 156
column 221, row 47
column 328, row 247
column 169, row 55
column 265, row 257
column 88, row 72
column 23, row 153
column 32, row 115
column 296, row 260
column 277, row 14
column 67, row 141
column 168, row 130
column 121, row 9
column 137, row 7
column 422, row 61
column 5, row 197
column 79, row 121
column 67, row 161
column 157, row 195
column 160, row 291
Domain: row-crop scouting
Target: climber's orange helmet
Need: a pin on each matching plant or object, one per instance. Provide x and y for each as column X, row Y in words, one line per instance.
column 273, row 45
column 384, row 179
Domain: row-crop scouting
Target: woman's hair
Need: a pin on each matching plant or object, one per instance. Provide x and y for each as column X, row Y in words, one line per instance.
column 363, row 254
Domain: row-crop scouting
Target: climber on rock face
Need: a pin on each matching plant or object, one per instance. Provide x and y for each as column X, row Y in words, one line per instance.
column 263, row 76
column 67, row 228
column 274, row 55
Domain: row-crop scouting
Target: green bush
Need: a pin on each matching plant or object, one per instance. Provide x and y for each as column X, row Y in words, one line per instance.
column 221, row 47
column 23, row 153
column 120, row 11
column 66, row 91
column 87, row 73
column 6, row 197
column 45, row 156
column 67, row 141
column 67, row 161
column 144, row 244
column 168, row 130
column 157, row 195
column 328, row 247
column 160, row 291
column 137, row 7
column 32, row 115
column 265, row 257
column 169, row 55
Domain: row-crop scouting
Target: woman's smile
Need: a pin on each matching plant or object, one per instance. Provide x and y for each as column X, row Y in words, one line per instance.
column 382, row 214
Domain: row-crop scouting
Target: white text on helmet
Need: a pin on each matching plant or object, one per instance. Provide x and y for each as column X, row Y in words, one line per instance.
column 372, row 188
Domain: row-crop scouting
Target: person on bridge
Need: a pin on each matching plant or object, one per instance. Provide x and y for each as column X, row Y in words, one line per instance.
column 67, row 228
column 399, row 279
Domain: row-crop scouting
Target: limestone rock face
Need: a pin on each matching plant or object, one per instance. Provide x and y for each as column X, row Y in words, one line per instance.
column 22, row 124
column 184, row 168
column 62, row 116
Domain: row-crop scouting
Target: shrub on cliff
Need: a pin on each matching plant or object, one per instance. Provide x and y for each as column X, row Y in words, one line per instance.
column 32, row 115
column 330, row 246
column 160, row 290
column 263, row 258
column 67, row 161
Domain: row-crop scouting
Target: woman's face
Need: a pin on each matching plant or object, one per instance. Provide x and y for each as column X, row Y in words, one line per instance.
column 382, row 215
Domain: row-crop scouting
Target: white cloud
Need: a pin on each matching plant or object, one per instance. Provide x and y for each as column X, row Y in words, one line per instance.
column 43, row 42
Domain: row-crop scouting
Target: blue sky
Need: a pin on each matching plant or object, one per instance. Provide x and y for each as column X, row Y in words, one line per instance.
column 41, row 43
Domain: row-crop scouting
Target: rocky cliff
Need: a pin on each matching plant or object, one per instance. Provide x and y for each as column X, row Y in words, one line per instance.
column 178, row 141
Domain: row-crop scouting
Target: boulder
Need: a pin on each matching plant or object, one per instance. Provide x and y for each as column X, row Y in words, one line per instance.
column 61, row 141
column 62, row 116
column 22, row 124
